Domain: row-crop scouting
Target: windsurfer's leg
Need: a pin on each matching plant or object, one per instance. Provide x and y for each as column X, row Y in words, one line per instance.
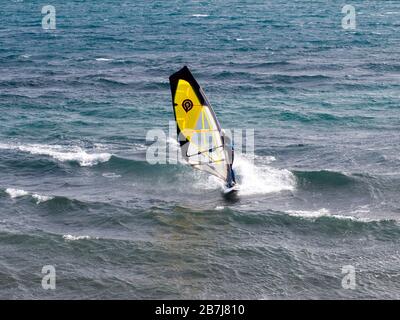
column 233, row 178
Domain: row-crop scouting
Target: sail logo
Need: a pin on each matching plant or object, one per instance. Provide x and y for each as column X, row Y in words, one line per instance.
column 187, row 105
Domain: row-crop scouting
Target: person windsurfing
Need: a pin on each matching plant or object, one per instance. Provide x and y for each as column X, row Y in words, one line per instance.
column 202, row 141
column 230, row 151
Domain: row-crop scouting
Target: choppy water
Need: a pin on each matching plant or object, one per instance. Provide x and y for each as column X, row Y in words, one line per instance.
column 76, row 191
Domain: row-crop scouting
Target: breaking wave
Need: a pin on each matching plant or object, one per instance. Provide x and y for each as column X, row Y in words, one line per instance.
column 61, row 153
column 18, row 193
column 69, row 237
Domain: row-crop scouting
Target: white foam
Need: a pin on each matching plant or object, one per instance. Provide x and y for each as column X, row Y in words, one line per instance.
column 261, row 178
column 219, row 208
column 61, row 153
column 99, row 146
column 266, row 159
column 205, row 181
column 69, row 237
column 111, row 175
column 16, row 193
column 314, row 214
column 40, row 198
column 253, row 178
column 309, row 214
column 5, row 146
column 104, row 59
column 199, row 15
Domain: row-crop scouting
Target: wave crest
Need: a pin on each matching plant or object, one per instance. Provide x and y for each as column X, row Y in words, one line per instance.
column 61, row 153
column 18, row 193
column 69, row 237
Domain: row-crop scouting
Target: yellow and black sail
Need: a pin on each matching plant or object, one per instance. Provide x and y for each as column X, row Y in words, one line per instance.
column 200, row 136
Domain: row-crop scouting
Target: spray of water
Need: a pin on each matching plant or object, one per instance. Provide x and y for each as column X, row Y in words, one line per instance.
column 259, row 177
column 255, row 176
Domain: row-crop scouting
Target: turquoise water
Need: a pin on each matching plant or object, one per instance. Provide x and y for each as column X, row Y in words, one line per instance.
column 76, row 191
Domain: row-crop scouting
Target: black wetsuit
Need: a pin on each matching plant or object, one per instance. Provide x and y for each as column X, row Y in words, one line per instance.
column 231, row 155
